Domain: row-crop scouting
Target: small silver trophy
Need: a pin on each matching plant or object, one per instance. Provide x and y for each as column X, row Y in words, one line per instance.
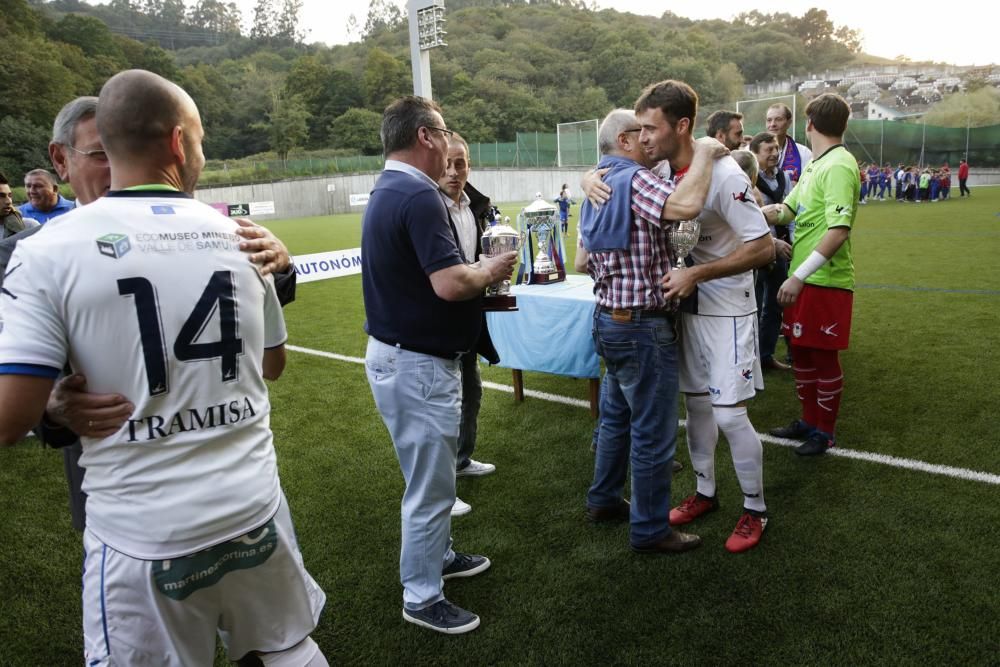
column 497, row 240
column 683, row 239
column 540, row 217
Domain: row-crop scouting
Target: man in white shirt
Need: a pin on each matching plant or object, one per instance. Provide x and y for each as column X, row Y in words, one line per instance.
column 146, row 293
column 467, row 210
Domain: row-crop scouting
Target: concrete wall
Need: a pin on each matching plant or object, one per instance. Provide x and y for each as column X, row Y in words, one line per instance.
column 313, row 196
column 331, row 194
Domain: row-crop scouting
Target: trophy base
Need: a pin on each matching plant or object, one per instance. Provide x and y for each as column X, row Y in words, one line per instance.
column 545, row 278
column 498, row 303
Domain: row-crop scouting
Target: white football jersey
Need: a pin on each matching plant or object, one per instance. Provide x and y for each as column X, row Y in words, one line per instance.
column 729, row 219
column 149, row 296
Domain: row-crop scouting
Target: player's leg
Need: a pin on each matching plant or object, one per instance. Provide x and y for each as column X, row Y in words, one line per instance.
column 128, row 620
column 269, row 602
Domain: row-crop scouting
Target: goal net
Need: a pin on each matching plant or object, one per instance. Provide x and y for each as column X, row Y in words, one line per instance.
column 576, row 144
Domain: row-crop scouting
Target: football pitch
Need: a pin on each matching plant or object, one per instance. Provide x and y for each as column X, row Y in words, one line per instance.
column 887, row 553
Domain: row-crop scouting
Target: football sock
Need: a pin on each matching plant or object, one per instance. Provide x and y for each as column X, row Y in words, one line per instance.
column 748, row 454
column 702, row 437
column 805, row 382
column 829, row 388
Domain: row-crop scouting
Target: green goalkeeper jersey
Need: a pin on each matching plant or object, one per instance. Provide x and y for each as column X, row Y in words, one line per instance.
column 826, row 196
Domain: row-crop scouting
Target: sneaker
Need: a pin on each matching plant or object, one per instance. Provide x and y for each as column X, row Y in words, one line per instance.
column 817, row 444
column 460, row 507
column 476, row 469
column 443, row 616
column 691, row 508
column 748, row 531
column 797, row 430
column 465, row 565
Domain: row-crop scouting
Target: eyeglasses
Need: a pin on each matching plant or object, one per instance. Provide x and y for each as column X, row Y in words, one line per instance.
column 447, row 133
column 96, row 155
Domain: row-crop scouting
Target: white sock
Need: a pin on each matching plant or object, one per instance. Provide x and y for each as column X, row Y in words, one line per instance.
column 304, row 654
column 748, row 454
column 702, row 437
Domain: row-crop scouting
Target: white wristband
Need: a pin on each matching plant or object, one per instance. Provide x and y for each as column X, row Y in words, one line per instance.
column 810, row 266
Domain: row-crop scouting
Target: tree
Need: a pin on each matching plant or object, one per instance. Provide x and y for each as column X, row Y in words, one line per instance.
column 287, row 126
column 287, row 26
column 23, row 147
column 357, row 129
column 383, row 16
column 974, row 109
column 385, row 78
column 263, row 20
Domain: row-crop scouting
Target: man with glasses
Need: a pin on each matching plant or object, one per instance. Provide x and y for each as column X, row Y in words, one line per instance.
column 44, row 200
column 423, row 312
column 79, row 158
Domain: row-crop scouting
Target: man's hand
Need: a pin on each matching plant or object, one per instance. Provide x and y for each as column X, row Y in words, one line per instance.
column 710, row 147
column 782, row 249
column 679, row 283
column 595, row 189
column 772, row 213
column 499, row 267
column 92, row 415
column 264, row 247
column 789, row 291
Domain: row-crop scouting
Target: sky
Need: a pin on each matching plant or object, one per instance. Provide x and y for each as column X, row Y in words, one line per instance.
column 924, row 31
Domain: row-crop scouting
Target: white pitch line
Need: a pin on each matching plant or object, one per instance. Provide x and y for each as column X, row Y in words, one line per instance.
column 871, row 457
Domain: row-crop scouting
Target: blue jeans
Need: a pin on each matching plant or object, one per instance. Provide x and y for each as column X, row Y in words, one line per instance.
column 420, row 400
column 767, row 284
column 472, row 397
column 638, row 420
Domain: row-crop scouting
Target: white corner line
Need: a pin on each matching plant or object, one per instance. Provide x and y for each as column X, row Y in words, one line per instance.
column 870, row 457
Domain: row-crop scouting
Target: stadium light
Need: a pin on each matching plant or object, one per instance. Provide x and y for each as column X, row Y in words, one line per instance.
column 426, row 33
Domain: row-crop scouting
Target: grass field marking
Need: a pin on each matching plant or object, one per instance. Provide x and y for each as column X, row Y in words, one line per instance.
column 858, row 455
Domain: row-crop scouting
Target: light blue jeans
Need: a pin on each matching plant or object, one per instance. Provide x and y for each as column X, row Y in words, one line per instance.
column 420, row 399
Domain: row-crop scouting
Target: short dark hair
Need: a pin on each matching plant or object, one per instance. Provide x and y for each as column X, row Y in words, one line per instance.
column 457, row 138
column 3, row 179
column 761, row 138
column 402, row 118
column 719, row 121
column 783, row 107
column 675, row 99
column 829, row 113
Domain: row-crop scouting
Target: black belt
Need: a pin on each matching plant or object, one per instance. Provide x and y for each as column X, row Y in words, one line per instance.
column 633, row 314
column 450, row 356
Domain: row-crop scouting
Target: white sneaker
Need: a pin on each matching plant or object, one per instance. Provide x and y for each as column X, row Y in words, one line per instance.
column 460, row 507
column 476, row 469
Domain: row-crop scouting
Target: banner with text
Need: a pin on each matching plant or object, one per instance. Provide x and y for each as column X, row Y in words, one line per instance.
column 323, row 265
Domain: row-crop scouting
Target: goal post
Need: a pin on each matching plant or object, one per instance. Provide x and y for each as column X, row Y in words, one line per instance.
column 576, row 144
column 754, row 112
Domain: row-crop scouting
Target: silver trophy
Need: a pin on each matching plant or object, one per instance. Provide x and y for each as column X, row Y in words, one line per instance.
column 500, row 238
column 540, row 218
column 683, row 239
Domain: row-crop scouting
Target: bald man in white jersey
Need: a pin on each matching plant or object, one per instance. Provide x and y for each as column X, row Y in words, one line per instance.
column 146, row 293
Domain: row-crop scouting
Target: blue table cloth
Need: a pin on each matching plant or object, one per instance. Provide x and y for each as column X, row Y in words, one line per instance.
column 551, row 331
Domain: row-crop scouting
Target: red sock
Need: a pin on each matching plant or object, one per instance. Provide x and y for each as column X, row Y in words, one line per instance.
column 829, row 388
column 805, row 382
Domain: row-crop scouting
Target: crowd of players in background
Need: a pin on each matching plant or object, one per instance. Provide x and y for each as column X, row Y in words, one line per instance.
column 909, row 183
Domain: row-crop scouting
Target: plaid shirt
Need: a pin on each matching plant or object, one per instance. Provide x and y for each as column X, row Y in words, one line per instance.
column 633, row 278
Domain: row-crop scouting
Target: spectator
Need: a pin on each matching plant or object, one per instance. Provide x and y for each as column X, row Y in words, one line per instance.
column 44, row 200
column 11, row 218
column 963, row 177
column 792, row 157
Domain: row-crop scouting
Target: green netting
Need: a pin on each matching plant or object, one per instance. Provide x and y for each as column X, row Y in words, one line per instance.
column 916, row 144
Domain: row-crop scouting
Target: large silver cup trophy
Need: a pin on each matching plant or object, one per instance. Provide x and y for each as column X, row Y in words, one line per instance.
column 540, row 218
column 683, row 239
column 497, row 240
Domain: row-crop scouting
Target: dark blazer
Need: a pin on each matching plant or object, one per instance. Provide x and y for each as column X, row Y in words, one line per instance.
column 483, row 211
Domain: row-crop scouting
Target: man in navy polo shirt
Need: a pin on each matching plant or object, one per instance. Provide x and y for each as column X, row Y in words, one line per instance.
column 423, row 310
column 44, row 200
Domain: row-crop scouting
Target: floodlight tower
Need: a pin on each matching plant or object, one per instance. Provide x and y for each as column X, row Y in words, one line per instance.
column 426, row 32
